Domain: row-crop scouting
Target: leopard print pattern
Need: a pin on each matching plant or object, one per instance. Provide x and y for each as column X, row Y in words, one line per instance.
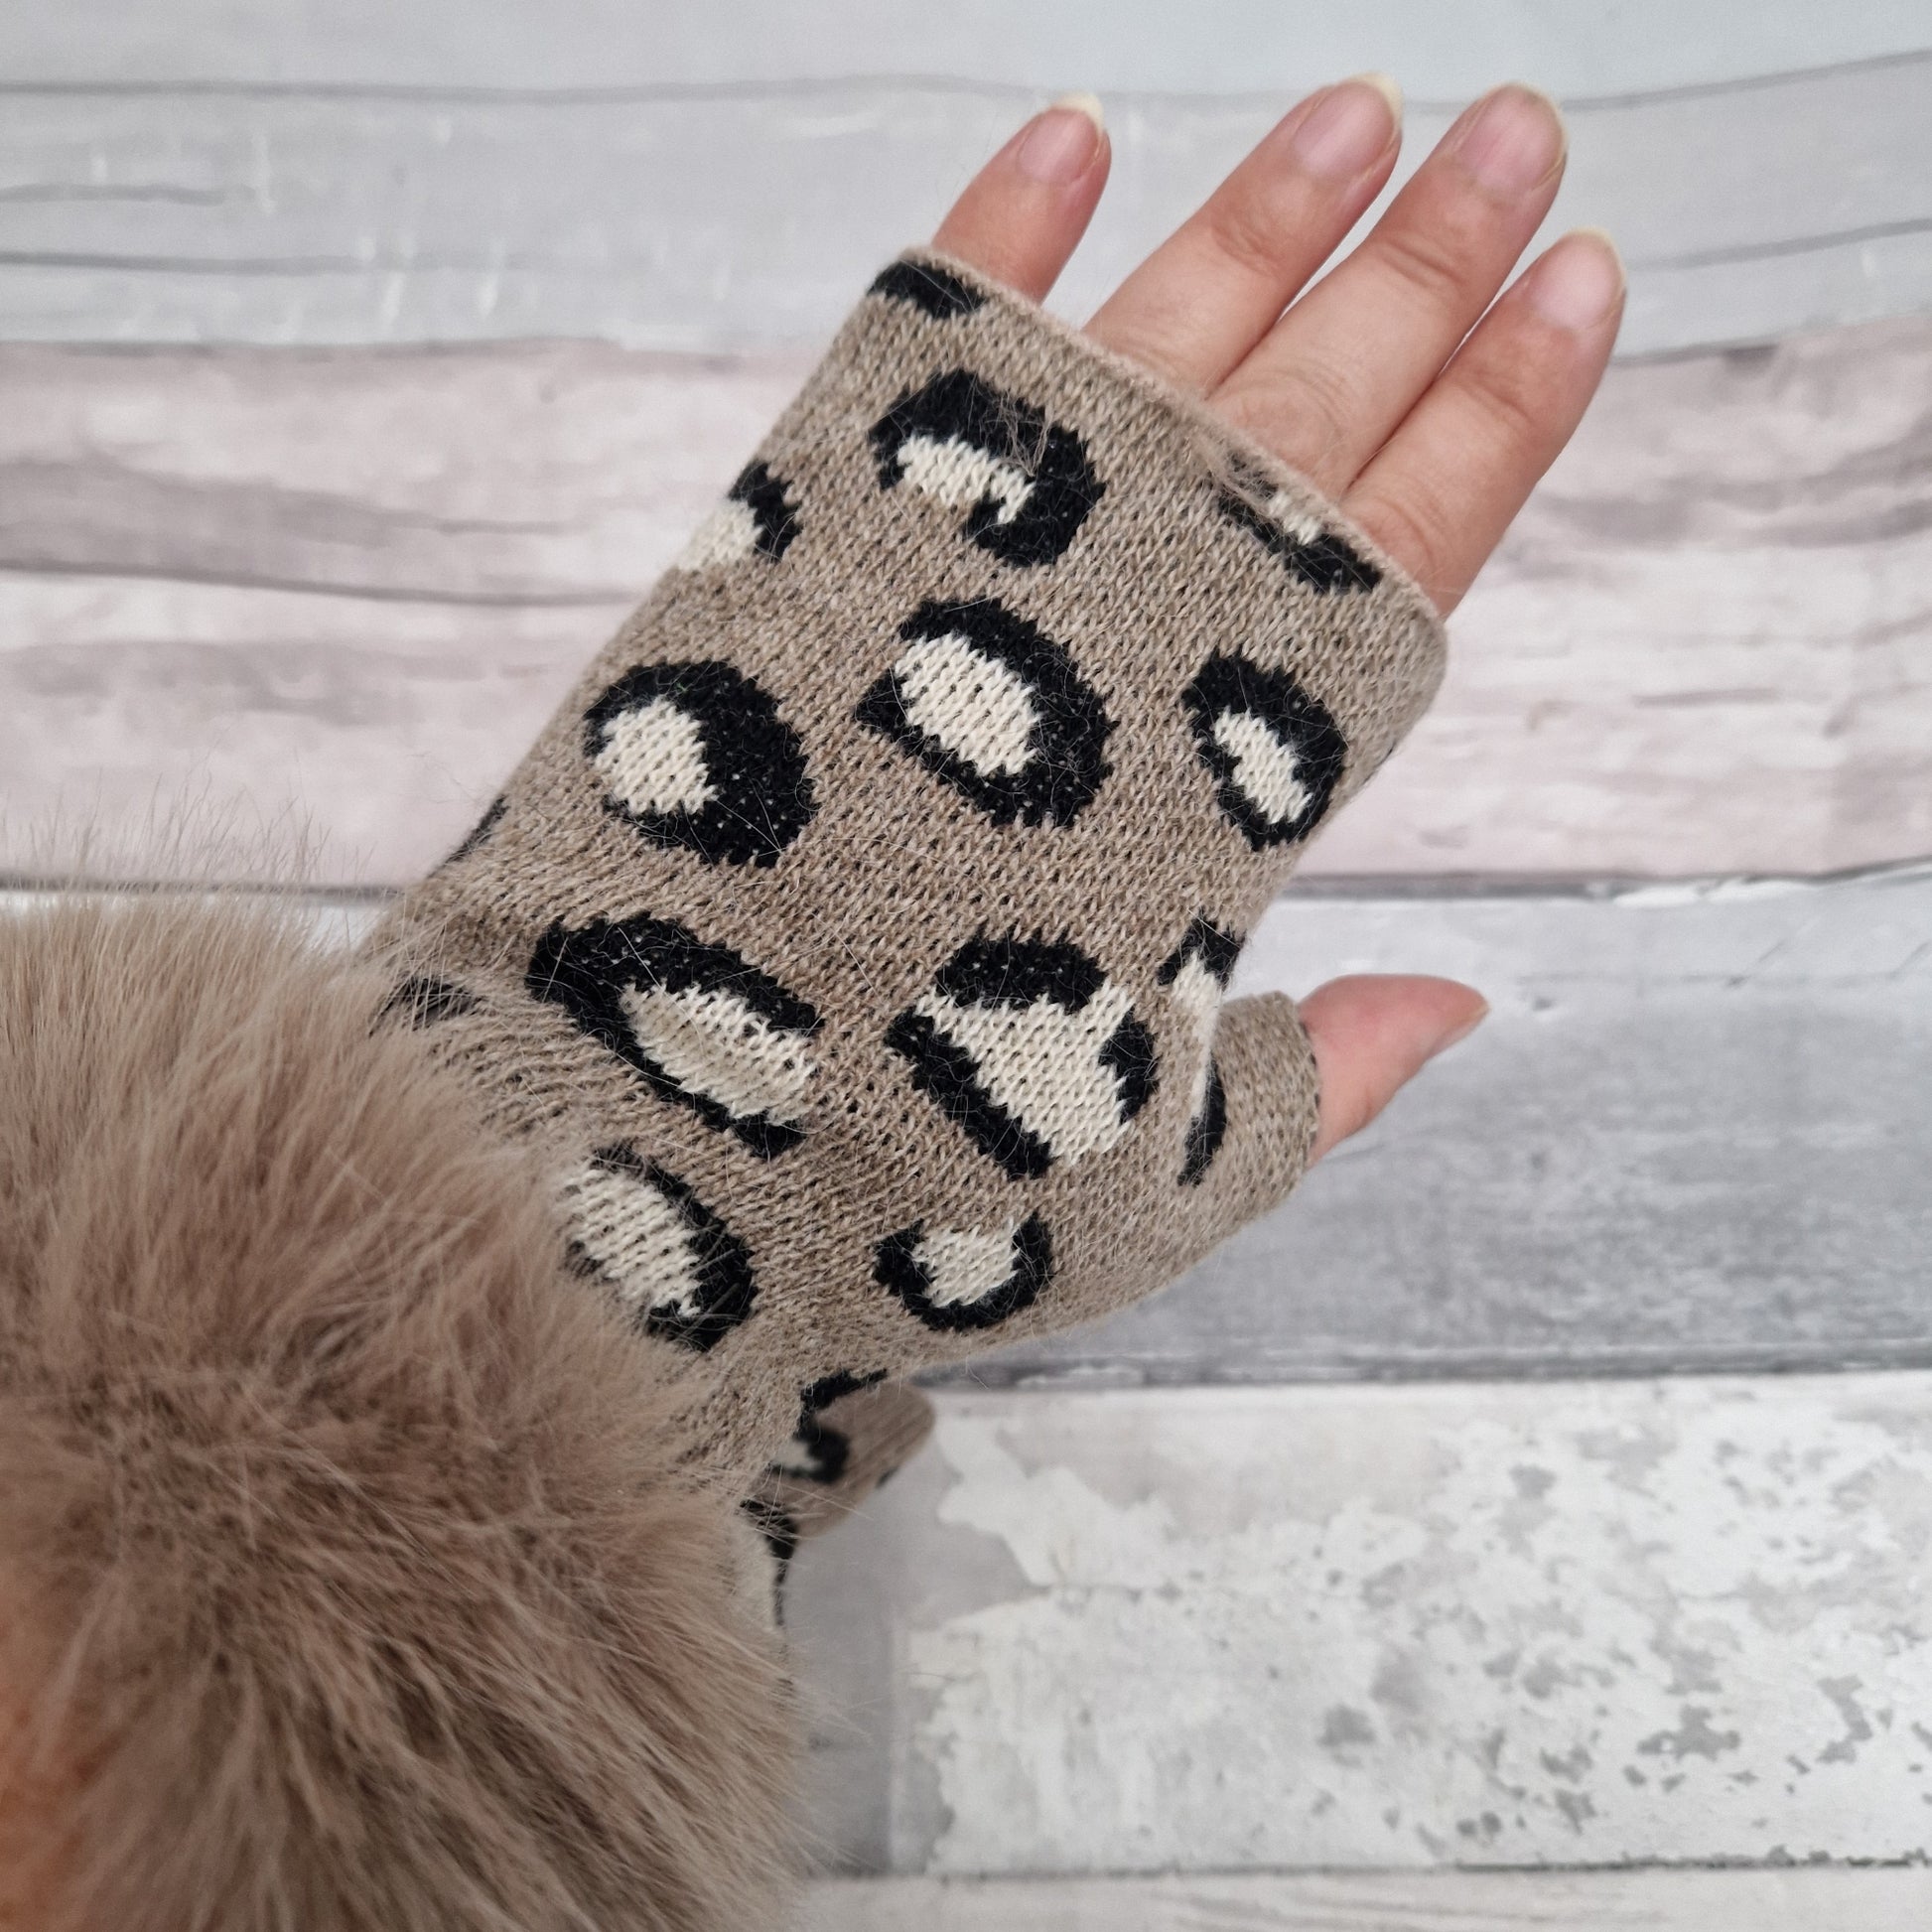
column 860, row 930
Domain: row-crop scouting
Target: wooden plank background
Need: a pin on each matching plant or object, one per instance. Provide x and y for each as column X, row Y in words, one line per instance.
column 1212, row 47
column 1575, row 1901
column 303, row 530
column 744, row 216
column 1497, row 1626
column 344, row 589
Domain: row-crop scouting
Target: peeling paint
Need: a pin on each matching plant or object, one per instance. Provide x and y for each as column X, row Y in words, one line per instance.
column 1350, row 1627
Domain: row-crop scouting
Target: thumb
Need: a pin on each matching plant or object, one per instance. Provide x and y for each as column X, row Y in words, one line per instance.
column 1372, row 1033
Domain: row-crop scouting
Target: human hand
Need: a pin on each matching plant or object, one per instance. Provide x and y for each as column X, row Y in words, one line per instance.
column 869, row 972
column 1393, row 386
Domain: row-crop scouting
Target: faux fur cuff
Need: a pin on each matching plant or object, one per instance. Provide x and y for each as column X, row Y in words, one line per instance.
column 349, row 1577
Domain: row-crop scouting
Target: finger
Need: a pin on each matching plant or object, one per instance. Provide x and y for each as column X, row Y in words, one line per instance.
column 1203, row 300
column 1372, row 1034
column 1345, row 364
column 1447, row 483
column 1023, row 212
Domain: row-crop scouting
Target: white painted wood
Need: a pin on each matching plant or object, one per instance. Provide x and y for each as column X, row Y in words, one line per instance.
column 1811, row 1900
column 1210, row 47
column 345, row 590
column 744, row 218
column 1560, row 1624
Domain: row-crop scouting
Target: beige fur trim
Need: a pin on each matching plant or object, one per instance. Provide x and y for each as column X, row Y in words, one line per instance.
column 347, row 1577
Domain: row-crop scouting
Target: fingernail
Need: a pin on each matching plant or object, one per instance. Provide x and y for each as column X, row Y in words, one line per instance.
column 1460, row 1031
column 1349, row 128
column 1060, row 145
column 1578, row 282
column 1514, row 142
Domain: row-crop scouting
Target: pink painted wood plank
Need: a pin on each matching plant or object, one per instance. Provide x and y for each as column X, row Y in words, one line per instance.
column 341, row 590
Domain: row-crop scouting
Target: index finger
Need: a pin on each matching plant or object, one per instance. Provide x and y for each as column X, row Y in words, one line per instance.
column 1022, row 214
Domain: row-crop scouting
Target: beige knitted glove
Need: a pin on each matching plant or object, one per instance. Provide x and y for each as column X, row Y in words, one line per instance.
column 846, row 1443
column 856, row 936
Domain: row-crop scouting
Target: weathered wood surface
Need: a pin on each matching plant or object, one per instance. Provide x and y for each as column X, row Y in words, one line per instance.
column 1885, row 1900
column 1223, row 1630
column 1692, row 1133
column 1212, row 47
column 347, row 587
column 741, row 218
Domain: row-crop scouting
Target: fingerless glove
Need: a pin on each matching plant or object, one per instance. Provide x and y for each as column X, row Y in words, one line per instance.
column 856, row 937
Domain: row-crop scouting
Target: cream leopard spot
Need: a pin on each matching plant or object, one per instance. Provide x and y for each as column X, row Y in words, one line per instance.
column 955, row 474
column 697, row 755
column 674, row 1266
column 962, row 1265
column 757, row 519
column 1025, row 482
column 653, row 759
column 1197, row 992
column 702, row 1026
column 1272, row 745
column 714, row 1043
column 1266, row 770
column 966, row 1278
column 726, row 536
column 1197, row 975
column 969, row 704
column 1032, row 1049
column 990, row 704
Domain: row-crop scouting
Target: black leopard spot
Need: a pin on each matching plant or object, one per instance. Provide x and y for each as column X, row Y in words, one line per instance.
column 817, row 1452
column 779, row 1528
column 994, row 707
column 702, row 1026
column 829, row 1389
column 957, row 1279
column 768, row 497
column 1276, row 750
column 1207, row 1129
column 931, row 290
column 1313, row 555
column 758, row 517
column 677, row 1269
column 1031, row 1050
column 1025, row 484
column 1197, row 974
column 1206, row 944
column 696, row 756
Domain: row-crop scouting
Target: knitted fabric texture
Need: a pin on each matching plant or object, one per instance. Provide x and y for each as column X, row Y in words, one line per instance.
column 856, row 936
